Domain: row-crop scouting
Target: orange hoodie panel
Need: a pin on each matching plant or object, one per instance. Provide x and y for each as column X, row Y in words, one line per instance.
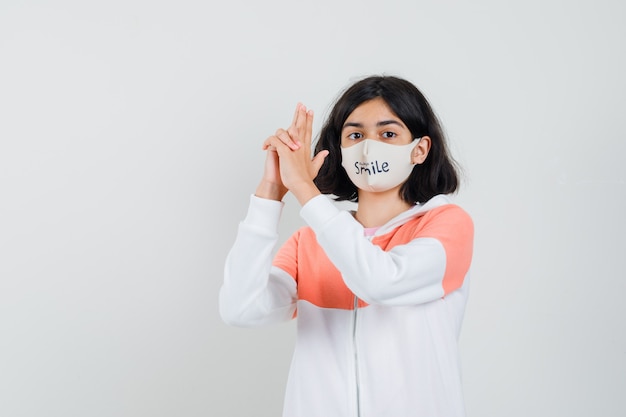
column 320, row 283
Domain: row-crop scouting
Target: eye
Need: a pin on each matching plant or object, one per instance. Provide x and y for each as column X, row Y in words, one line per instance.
column 355, row 136
column 389, row 135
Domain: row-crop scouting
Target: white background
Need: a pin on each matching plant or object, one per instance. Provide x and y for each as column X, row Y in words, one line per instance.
column 130, row 142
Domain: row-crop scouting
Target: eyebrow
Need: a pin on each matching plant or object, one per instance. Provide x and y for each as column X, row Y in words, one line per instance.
column 379, row 124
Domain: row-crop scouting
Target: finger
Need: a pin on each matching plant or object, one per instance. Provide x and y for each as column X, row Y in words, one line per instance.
column 299, row 121
column 277, row 144
column 296, row 114
column 318, row 161
column 266, row 143
column 286, row 138
column 308, row 130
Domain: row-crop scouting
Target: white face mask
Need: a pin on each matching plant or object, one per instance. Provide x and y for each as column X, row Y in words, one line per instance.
column 376, row 166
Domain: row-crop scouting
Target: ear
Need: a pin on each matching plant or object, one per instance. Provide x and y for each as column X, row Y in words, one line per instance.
column 420, row 151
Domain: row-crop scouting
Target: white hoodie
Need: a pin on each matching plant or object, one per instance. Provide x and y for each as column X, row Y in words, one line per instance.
column 378, row 317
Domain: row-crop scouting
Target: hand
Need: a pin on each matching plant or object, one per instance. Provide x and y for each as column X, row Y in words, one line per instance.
column 293, row 146
column 271, row 186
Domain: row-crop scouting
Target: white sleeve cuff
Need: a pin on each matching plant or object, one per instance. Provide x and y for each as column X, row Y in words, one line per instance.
column 263, row 213
column 318, row 211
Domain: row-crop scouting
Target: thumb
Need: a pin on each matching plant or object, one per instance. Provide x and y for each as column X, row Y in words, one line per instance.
column 318, row 161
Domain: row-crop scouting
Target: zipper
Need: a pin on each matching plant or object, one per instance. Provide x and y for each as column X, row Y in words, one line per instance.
column 356, row 357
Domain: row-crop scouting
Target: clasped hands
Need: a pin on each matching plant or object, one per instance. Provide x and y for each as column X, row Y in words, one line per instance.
column 288, row 164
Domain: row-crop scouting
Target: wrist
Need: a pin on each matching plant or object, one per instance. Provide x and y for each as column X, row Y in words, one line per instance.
column 305, row 191
column 270, row 191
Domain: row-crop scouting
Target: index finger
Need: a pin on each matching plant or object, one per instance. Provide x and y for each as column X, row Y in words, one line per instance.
column 308, row 133
column 297, row 126
column 294, row 121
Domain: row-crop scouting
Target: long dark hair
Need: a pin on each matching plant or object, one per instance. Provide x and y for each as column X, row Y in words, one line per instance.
column 436, row 175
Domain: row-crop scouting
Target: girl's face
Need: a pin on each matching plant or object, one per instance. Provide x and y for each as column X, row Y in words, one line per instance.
column 373, row 119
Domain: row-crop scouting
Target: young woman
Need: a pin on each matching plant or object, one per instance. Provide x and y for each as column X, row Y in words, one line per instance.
column 379, row 293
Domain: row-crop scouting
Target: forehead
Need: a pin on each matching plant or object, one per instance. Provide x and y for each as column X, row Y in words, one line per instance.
column 372, row 112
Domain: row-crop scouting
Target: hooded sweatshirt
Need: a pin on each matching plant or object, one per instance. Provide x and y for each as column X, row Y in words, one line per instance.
column 378, row 317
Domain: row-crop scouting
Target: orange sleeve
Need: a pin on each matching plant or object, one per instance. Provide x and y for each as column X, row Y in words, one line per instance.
column 454, row 228
column 287, row 256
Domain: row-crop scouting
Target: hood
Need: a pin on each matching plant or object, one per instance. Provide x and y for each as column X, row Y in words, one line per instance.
column 415, row 211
